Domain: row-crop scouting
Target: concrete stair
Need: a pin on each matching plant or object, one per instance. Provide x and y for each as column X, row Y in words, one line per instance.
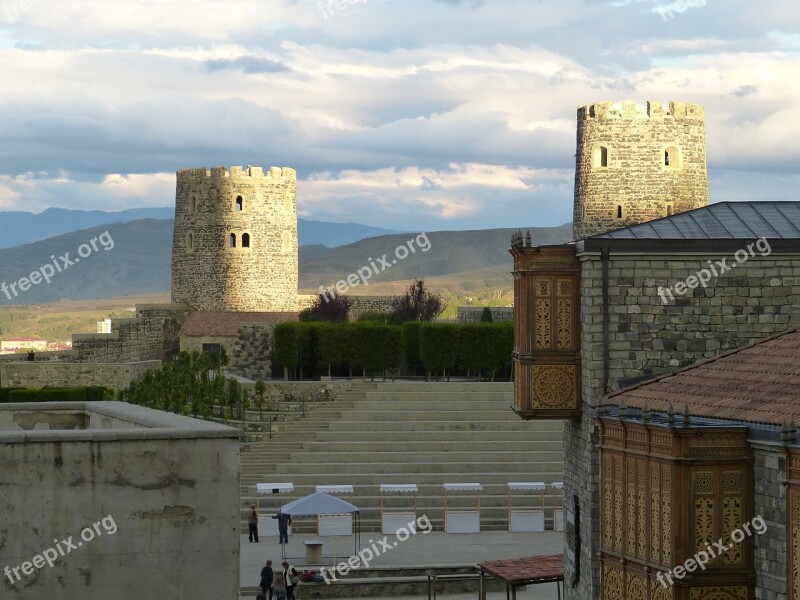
column 423, row 433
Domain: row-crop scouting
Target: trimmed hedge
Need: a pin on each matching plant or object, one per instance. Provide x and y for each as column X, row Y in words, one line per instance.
column 371, row 347
column 48, row 394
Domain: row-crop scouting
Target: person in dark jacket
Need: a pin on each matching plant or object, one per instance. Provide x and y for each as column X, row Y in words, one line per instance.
column 252, row 522
column 283, row 527
column 267, row 577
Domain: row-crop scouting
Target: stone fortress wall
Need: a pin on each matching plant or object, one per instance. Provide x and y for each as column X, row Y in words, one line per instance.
column 235, row 241
column 621, row 175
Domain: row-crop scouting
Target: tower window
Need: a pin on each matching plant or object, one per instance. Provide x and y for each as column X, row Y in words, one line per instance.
column 600, row 157
column 619, row 211
column 190, row 241
column 193, row 204
column 245, row 240
column 672, row 158
column 239, row 203
column 232, row 240
column 669, row 210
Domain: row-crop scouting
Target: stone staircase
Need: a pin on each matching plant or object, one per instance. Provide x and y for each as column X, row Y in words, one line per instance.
column 422, row 433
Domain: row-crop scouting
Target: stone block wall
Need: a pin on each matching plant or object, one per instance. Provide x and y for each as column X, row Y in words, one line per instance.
column 770, row 552
column 60, row 373
column 252, row 351
column 256, row 273
column 151, row 335
column 473, row 314
column 362, row 304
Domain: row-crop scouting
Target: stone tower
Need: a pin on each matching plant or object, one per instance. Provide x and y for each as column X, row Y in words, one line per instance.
column 634, row 166
column 235, row 241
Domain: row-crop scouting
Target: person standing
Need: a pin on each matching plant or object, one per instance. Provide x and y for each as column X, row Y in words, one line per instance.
column 283, row 527
column 267, row 578
column 252, row 522
column 290, row 580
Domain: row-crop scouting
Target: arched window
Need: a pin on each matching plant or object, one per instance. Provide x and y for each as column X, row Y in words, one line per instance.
column 619, row 211
column 600, row 157
column 672, row 158
column 232, row 240
column 190, row 241
column 669, row 210
column 239, row 203
column 193, row 204
column 245, row 240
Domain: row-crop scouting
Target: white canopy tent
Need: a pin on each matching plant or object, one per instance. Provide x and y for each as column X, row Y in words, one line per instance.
column 320, row 503
column 330, row 525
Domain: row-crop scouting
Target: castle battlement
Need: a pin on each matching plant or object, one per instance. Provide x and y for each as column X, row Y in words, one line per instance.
column 237, row 172
column 628, row 109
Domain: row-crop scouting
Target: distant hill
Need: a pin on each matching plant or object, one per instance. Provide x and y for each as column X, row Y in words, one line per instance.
column 450, row 252
column 140, row 260
column 17, row 228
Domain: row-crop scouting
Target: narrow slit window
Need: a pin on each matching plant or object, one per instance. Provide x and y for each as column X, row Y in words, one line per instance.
column 600, row 157
column 239, row 203
column 193, row 204
column 669, row 210
column 603, row 156
column 190, row 241
column 666, row 158
column 619, row 211
column 232, row 240
column 245, row 240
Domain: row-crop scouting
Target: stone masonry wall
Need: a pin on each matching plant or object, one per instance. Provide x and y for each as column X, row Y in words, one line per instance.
column 152, row 335
column 636, row 178
column 65, row 374
column 758, row 298
column 207, row 272
column 252, row 351
column 770, row 502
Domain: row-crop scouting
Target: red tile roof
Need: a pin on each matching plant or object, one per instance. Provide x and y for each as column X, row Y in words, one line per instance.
column 757, row 383
column 227, row 323
column 529, row 569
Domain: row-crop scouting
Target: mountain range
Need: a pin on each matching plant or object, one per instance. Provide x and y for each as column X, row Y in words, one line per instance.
column 18, row 228
column 139, row 261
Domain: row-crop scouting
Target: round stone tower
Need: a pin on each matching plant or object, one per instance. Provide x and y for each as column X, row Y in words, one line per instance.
column 235, row 240
column 634, row 166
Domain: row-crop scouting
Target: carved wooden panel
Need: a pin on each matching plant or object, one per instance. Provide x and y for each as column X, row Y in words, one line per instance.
column 618, row 503
column 641, row 510
column 719, row 593
column 613, row 583
column 666, row 515
column 564, row 312
column 543, row 321
column 659, row 591
column 655, row 512
column 608, row 502
column 637, row 586
column 630, row 513
column 794, row 545
column 553, row 386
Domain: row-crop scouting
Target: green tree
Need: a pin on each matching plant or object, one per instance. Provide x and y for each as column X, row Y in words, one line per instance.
column 261, row 389
column 439, row 343
column 418, row 303
column 486, row 315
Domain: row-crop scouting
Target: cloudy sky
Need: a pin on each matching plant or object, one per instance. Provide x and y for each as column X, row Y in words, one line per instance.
column 405, row 114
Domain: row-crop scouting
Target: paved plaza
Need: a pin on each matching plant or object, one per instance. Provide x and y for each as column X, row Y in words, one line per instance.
column 421, row 550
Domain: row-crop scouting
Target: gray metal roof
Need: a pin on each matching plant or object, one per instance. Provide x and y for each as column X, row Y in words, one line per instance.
column 720, row 221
